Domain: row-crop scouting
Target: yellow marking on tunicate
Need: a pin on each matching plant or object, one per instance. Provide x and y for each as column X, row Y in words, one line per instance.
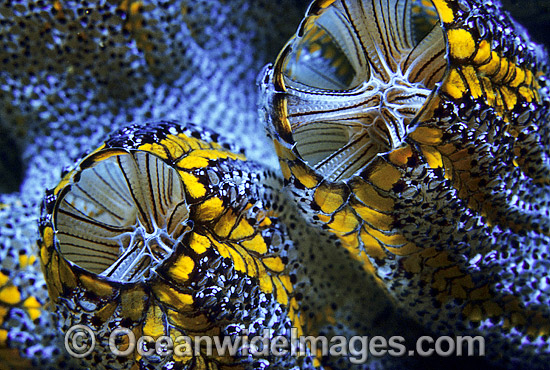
column 285, row 279
column 52, row 278
column 47, row 237
column 256, row 244
column 217, row 146
column 154, row 148
column 503, row 70
column 483, row 52
column 350, row 241
column 225, row 223
column 324, row 218
column 401, row 156
column 210, row 209
column 265, row 222
column 99, row 287
column 445, row 12
column 199, row 243
column 499, row 101
column 217, row 154
column 274, row 264
column 171, row 296
column 488, row 89
column 304, row 175
column 433, row 156
column 384, row 176
column 329, row 200
column 441, row 277
column 242, row 231
column 510, row 98
column 369, row 196
column 98, row 156
column 132, row 304
column 10, row 295
column 181, row 269
column 511, row 73
column 285, row 170
column 66, row 275
column 196, row 324
column 48, row 242
column 389, row 239
column 344, row 221
column 154, row 323
column 448, row 166
column 106, row 311
column 492, row 67
column 427, row 135
column 520, row 77
column 454, row 85
column 372, row 246
column 172, row 144
column 135, row 7
column 221, row 248
column 325, row 3
column 282, row 296
column 23, row 261
column 3, row 312
column 461, row 43
column 238, row 261
column 472, row 81
column 250, row 262
column 3, row 279
column 192, row 184
column 405, row 250
column 105, row 155
column 529, row 77
column 374, row 218
column 183, row 142
column 33, row 307
column 266, row 284
column 191, row 162
column 3, row 337
column 282, row 152
column 192, row 143
column 527, row 93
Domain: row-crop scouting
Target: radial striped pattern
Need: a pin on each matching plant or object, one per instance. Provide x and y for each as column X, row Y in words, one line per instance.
column 123, row 216
column 357, row 74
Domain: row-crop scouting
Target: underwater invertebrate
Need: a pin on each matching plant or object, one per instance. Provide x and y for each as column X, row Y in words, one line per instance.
column 164, row 230
column 75, row 70
column 418, row 133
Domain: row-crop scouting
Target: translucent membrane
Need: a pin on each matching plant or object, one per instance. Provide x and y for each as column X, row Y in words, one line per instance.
column 321, row 58
column 123, row 216
column 356, row 79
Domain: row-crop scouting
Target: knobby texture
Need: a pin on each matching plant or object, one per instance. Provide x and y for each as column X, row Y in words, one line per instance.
column 437, row 199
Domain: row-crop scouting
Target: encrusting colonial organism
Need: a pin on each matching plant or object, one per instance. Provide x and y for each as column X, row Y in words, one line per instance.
column 164, row 230
column 417, row 131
